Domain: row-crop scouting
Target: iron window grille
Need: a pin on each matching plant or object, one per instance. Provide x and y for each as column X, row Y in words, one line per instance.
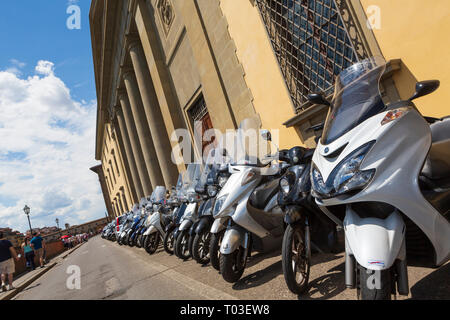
column 198, row 110
column 311, row 43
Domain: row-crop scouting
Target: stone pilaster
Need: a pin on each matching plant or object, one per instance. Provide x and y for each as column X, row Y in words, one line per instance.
column 130, row 142
column 153, row 114
column 143, row 130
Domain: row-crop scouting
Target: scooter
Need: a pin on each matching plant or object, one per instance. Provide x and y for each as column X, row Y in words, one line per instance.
column 177, row 202
column 248, row 201
column 158, row 221
column 183, row 244
column 308, row 227
column 382, row 169
column 213, row 179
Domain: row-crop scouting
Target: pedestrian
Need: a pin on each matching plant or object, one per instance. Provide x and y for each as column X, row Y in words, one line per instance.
column 28, row 253
column 38, row 245
column 7, row 266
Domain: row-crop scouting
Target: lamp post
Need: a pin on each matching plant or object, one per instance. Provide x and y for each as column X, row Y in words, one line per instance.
column 26, row 209
column 57, row 222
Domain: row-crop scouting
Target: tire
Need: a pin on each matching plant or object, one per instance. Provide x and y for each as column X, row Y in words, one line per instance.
column 214, row 249
column 191, row 244
column 232, row 265
column 367, row 278
column 181, row 248
column 296, row 258
column 169, row 241
column 138, row 241
column 151, row 243
column 131, row 242
column 200, row 247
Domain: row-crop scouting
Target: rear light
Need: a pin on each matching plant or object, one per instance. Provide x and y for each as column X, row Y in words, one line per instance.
column 395, row 114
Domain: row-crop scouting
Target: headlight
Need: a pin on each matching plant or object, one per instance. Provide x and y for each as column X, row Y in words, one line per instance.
column 222, row 180
column 212, row 191
column 345, row 177
column 218, row 205
column 192, row 197
column 285, row 185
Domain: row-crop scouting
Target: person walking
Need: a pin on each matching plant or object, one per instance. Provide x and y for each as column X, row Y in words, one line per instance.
column 28, row 253
column 7, row 266
column 38, row 245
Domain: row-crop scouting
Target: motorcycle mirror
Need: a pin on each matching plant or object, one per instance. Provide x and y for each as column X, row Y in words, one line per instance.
column 318, row 98
column 266, row 135
column 424, row 88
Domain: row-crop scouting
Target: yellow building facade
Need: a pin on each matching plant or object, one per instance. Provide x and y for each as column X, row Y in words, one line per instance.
column 163, row 65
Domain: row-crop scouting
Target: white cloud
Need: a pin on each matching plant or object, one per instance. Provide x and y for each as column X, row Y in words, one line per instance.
column 46, row 150
column 45, row 67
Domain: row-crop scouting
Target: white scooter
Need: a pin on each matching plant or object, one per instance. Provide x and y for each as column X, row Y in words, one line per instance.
column 381, row 169
column 248, row 204
column 157, row 221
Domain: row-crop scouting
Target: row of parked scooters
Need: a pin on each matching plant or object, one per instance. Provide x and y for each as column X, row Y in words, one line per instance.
column 380, row 174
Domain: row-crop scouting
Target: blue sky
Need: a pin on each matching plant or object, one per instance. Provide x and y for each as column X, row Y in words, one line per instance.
column 47, row 115
column 36, row 30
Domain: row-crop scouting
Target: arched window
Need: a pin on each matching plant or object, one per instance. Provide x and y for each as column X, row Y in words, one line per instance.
column 115, row 162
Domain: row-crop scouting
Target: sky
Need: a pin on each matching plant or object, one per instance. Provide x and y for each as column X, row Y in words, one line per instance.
column 47, row 115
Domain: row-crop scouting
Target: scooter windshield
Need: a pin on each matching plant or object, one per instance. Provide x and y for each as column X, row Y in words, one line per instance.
column 158, row 194
column 356, row 98
column 251, row 148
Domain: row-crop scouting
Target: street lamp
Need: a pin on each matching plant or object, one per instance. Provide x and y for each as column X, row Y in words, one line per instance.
column 26, row 209
column 57, row 222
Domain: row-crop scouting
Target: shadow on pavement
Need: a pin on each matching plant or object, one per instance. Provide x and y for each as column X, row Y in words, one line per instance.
column 259, row 277
column 329, row 285
column 435, row 286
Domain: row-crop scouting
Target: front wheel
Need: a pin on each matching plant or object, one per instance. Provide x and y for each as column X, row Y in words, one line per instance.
column 169, row 241
column 296, row 258
column 182, row 245
column 200, row 247
column 214, row 249
column 152, row 243
column 374, row 285
column 232, row 265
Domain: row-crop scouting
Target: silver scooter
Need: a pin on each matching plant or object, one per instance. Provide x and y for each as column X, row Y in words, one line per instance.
column 384, row 173
column 181, row 236
column 248, row 202
column 157, row 221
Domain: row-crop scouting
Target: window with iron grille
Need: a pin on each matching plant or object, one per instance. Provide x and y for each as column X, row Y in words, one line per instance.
column 311, row 43
column 198, row 109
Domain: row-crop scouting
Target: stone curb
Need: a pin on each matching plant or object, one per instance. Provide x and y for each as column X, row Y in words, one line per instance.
column 18, row 289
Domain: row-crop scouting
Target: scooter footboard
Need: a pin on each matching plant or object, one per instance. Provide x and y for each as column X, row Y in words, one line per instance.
column 375, row 243
column 234, row 237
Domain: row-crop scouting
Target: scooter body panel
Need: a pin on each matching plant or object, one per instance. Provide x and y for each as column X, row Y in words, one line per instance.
column 398, row 163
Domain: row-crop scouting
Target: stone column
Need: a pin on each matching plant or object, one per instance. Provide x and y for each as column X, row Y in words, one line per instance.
column 143, row 131
column 132, row 154
column 126, row 159
column 153, row 113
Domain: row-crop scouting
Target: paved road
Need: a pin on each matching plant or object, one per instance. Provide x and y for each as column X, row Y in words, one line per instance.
column 110, row 271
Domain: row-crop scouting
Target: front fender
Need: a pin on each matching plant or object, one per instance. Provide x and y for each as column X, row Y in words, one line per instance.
column 292, row 214
column 234, row 237
column 218, row 225
column 185, row 225
column 375, row 243
column 204, row 224
column 193, row 227
column 150, row 230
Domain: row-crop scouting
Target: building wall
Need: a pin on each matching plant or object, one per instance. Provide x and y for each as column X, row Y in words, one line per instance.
column 256, row 55
column 417, row 33
column 115, row 175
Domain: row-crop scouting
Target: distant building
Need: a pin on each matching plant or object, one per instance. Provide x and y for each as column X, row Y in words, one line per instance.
column 15, row 237
column 88, row 227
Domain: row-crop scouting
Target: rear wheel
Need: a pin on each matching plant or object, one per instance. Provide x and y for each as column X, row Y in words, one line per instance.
column 214, row 249
column 296, row 258
column 232, row 265
column 374, row 285
column 152, row 243
column 182, row 245
column 200, row 248
column 169, row 241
